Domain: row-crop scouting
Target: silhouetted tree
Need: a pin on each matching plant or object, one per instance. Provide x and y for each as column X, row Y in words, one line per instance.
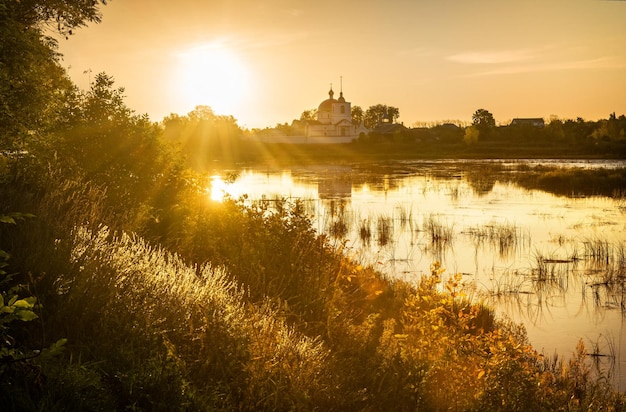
column 554, row 130
column 106, row 142
column 483, row 119
column 379, row 113
column 62, row 16
column 32, row 83
column 357, row 115
column 204, row 136
column 309, row 115
column 616, row 126
column 484, row 122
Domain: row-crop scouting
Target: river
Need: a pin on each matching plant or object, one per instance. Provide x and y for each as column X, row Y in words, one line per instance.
column 554, row 263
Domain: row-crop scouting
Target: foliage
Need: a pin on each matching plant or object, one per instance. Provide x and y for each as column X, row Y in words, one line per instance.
column 237, row 320
column 204, row 137
column 12, row 307
column 270, row 245
column 62, row 16
column 380, row 113
column 32, row 83
column 309, row 115
column 483, row 120
column 17, row 357
column 357, row 115
column 471, row 135
column 102, row 140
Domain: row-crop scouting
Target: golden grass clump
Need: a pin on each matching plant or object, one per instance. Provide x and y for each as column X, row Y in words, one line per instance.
column 193, row 319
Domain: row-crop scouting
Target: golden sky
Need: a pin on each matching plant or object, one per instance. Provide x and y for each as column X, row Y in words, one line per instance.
column 265, row 62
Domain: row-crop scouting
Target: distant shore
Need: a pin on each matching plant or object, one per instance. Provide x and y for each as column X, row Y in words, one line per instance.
column 289, row 154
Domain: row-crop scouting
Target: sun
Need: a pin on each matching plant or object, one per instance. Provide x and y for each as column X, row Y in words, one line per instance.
column 213, row 75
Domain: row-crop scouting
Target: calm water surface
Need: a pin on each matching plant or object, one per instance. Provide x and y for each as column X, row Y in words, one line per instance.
column 544, row 260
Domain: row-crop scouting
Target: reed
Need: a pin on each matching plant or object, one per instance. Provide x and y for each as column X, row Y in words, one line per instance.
column 599, row 251
column 509, row 283
column 551, row 269
column 338, row 227
column 365, row 231
column 504, row 237
column 405, row 216
column 438, row 232
column 384, row 230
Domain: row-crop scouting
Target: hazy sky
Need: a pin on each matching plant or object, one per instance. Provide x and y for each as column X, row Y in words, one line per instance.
column 265, row 62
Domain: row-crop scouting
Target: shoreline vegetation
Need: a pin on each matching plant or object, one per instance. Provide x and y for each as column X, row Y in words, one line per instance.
column 255, row 153
column 290, row 154
column 123, row 286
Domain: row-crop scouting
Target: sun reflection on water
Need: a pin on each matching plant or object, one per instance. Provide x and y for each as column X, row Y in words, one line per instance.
column 218, row 188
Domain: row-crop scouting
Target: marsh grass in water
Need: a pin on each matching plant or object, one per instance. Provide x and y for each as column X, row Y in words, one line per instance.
column 365, row 231
column 571, row 182
column 504, row 237
column 405, row 217
column 438, row 231
column 384, row 230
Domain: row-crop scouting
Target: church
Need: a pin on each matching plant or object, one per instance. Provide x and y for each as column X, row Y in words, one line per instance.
column 332, row 125
column 334, row 121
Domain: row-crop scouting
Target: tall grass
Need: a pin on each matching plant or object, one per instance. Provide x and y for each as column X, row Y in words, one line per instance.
column 194, row 322
column 571, row 182
column 504, row 237
column 405, row 217
column 439, row 232
column 441, row 235
column 384, row 230
column 365, row 231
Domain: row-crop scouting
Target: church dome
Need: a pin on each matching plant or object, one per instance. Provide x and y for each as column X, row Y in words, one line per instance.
column 327, row 105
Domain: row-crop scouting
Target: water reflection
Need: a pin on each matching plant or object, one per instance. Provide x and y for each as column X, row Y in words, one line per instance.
column 217, row 189
column 557, row 264
column 333, row 188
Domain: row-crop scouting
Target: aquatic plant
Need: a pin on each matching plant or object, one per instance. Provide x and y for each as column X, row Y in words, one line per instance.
column 504, row 237
column 384, row 230
column 365, row 232
column 405, row 217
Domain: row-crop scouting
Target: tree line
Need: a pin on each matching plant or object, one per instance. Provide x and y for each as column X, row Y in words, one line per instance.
column 586, row 137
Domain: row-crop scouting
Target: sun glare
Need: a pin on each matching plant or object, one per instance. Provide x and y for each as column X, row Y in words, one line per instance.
column 218, row 188
column 213, row 75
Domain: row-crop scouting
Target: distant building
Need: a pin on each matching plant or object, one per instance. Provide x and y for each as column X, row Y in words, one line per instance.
column 333, row 125
column 534, row 122
column 334, row 121
column 388, row 129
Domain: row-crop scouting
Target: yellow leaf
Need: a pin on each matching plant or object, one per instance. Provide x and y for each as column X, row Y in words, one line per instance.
column 481, row 374
column 22, row 304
